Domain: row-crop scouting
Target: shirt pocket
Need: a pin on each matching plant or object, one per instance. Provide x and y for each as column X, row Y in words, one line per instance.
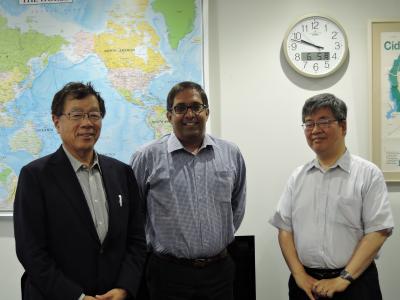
column 223, row 185
column 348, row 212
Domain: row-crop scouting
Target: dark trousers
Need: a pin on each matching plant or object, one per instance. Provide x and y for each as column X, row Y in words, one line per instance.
column 365, row 287
column 168, row 280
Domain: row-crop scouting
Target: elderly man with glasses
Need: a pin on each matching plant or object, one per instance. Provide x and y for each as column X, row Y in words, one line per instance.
column 79, row 223
column 334, row 214
column 195, row 187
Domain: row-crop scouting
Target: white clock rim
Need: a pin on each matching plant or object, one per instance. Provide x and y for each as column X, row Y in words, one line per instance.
column 318, row 15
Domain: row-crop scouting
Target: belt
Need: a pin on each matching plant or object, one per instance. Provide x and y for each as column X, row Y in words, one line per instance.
column 323, row 273
column 195, row 262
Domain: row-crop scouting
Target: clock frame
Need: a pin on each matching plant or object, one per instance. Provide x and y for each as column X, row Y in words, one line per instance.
column 315, row 45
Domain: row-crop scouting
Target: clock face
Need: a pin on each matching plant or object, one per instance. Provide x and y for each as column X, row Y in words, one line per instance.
column 315, row 46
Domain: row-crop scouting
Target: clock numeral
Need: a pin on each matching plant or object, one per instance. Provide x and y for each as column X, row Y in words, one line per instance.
column 337, row 45
column 297, row 36
column 334, row 56
column 304, row 28
column 326, row 27
column 297, row 56
column 334, row 35
column 326, row 64
column 293, row 46
column 315, row 25
column 305, row 64
column 315, row 67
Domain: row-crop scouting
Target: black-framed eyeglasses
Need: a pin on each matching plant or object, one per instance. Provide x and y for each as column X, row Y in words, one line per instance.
column 93, row 116
column 181, row 108
column 323, row 124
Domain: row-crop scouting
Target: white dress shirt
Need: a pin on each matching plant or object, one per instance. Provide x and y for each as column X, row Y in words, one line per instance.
column 329, row 211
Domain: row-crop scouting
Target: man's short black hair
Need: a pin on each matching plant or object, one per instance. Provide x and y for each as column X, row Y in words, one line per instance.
column 184, row 85
column 75, row 90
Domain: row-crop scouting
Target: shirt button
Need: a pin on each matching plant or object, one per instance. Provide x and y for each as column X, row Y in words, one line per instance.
column 95, row 200
column 100, row 223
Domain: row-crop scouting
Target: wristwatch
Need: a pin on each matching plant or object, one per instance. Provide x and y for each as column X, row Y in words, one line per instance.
column 346, row 275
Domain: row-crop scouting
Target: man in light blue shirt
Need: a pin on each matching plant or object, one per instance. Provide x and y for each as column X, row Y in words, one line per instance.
column 334, row 214
column 195, row 187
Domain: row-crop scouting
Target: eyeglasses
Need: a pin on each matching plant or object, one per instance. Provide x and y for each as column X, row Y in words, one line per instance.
column 181, row 109
column 323, row 124
column 93, row 116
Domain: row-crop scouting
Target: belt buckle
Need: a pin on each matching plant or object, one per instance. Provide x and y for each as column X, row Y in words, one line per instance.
column 200, row 262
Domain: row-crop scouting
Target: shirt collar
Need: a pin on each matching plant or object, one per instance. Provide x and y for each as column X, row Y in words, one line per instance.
column 174, row 144
column 343, row 162
column 77, row 165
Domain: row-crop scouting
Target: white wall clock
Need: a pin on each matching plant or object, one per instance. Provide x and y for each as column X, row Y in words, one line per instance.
column 315, row 46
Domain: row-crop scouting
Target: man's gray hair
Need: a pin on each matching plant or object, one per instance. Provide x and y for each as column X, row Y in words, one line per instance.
column 337, row 106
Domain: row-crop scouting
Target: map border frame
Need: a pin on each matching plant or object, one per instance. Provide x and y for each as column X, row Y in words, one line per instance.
column 376, row 27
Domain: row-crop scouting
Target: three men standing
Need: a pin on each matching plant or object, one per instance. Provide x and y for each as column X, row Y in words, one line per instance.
column 79, row 225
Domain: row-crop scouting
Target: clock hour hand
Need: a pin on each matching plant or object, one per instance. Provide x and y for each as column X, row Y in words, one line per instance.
column 308, row 43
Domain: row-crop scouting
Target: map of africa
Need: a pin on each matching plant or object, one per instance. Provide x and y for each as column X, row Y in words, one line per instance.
column 133, row 51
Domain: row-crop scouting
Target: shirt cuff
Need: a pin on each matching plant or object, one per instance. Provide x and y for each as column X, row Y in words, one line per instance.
column 81, row 297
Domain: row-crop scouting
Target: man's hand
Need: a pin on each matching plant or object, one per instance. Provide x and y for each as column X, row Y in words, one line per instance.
column 327, row 287
column 114, row 294
column 306, row 283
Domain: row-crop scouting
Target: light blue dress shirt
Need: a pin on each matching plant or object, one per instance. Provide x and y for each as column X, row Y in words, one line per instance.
column 195, row 203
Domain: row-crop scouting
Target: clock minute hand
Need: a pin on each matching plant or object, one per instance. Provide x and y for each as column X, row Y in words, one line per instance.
column 308, row 43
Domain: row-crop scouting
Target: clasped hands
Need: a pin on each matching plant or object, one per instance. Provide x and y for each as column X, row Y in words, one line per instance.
column 328, row 287
column 324, row 288
column 114, row 294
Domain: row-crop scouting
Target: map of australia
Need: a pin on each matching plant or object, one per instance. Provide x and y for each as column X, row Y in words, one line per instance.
column 133, row 51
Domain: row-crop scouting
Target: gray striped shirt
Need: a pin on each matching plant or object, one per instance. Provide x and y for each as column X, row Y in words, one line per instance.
column 93, row 189
column 195, row 203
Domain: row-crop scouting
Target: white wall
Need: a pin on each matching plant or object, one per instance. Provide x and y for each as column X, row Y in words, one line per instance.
column 258, row 101
column 10, row 269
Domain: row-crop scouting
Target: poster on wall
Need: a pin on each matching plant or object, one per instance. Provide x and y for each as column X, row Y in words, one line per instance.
column 386, row 97
column 132, row 51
